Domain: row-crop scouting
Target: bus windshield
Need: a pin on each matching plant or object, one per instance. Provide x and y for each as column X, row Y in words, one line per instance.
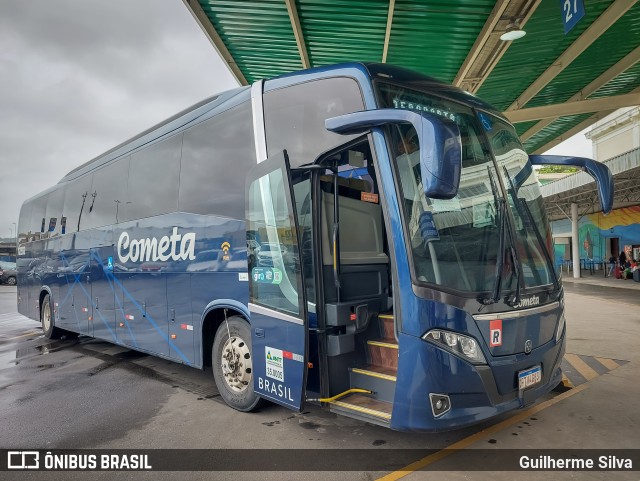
column 525, row 200
column 461, row 243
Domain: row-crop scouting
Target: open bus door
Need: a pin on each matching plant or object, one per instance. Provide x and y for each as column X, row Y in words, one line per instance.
column 277, row 300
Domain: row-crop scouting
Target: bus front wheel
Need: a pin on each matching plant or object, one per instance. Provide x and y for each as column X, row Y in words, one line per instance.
column 47, row 318
column 231, row 358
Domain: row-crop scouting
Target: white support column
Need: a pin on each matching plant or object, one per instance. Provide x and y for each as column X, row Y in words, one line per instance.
column 575, row 241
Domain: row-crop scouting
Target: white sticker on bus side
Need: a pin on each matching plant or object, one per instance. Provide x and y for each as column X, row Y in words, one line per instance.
column 243, row 276
column 275, row 363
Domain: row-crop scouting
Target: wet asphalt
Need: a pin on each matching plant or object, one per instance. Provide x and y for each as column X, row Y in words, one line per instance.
column 85, row 393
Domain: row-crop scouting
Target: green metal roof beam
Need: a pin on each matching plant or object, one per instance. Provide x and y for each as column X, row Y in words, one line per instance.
column 488, row 61
column 211, row 33
column 387, row 34
column 297, row 31
column 624, row 64
column 573, row 108
column 483, row 36
column 590, row 35
column 577, row 129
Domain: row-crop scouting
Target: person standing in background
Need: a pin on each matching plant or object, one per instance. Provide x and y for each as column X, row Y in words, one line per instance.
column 612, row 265
column 623, row 259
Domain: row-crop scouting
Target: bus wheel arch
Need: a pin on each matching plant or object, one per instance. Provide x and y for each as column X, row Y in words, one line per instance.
column 231, row 359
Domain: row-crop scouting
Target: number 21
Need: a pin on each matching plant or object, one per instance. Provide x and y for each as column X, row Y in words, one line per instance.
column 567, row 8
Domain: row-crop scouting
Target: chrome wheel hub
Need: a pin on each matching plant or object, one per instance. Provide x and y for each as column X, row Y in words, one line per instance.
column 46, row 318
column 236, row 364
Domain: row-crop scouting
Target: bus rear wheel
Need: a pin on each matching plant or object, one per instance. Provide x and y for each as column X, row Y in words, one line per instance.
column 231, row 358
column 47, row 319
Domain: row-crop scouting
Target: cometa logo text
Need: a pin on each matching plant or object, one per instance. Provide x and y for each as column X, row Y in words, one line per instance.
column 176, row 247
column 528, row 302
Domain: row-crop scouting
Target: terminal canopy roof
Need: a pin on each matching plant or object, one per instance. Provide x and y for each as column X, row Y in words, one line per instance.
column 552, row 84
column 581, row 189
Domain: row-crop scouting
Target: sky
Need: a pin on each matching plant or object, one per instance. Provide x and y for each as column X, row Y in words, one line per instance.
column 79, row 77
column 577, row 145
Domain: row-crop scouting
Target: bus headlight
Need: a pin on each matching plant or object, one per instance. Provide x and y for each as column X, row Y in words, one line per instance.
column 560, row 329
column 462, row 346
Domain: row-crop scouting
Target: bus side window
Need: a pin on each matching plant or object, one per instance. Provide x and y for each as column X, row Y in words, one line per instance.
column 295, row 115
column 216, row 156
column 152, row 188
column 38, row 212
column 24, row 222
column 54, row 210
column 75, row 199
column 108, row 194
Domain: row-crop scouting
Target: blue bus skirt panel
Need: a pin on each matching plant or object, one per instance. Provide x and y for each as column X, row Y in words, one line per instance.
column 424, row 368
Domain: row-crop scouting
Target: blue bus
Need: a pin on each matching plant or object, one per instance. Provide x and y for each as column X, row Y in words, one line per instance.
column 359, row 236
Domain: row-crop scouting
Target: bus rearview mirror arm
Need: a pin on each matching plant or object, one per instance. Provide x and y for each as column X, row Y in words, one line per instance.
column 439, row 140
column 600, row 173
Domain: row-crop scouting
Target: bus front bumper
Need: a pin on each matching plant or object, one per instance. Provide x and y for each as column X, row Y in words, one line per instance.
column 476, row 392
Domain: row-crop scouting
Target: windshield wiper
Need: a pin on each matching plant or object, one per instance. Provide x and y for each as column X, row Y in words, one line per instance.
column 515, row 300
column 521, row 205
column 495, row 296
column 501, row 211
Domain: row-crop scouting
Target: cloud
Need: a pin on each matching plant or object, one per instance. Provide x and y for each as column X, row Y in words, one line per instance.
column 81, row 77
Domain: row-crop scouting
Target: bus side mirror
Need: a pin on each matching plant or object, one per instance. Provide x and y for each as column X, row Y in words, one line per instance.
column 439, row 138
column 600, row 173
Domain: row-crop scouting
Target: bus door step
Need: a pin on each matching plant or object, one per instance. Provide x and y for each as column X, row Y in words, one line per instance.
column 364, row 408
column 378, row 379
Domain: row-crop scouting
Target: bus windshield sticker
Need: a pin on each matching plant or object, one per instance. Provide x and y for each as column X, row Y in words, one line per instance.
column 428, row 228
column 267, row 275
column 446, row 205
column 275, row 363
column 484, row 215
column 369, row 197
column 485, row 120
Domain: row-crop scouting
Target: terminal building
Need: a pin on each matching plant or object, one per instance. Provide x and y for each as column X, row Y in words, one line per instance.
column 616, row 142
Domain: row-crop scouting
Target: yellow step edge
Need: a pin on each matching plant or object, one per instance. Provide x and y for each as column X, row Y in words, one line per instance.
column 388, row 377
column 385, row 316
column 382, row 344
column 370, row 412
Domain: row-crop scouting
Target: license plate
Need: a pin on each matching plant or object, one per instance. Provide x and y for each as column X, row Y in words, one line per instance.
column 529, row 377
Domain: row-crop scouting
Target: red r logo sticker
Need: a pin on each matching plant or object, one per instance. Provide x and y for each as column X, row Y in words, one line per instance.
column 495, row 332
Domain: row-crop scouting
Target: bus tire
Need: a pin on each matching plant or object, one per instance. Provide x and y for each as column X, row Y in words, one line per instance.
column 231, row 360
column 47, row 318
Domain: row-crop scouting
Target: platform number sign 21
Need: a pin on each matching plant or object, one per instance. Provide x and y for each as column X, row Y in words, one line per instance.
column 572, row 12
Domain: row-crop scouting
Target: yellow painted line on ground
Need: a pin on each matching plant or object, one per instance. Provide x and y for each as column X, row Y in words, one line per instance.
column 474, row 438
column 608, row 363
column 21, row 336
column 582, row 367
